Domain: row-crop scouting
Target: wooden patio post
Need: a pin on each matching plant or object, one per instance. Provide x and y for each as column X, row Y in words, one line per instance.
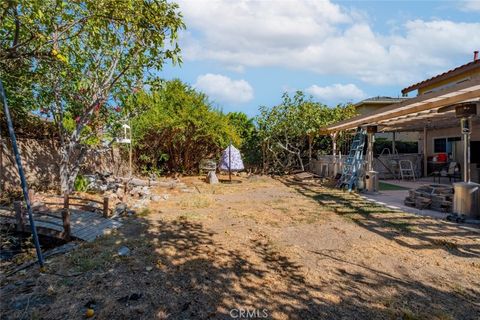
column 425, row 162
column 19, row 217
column 393, row 142
column 334, row 153
column 66, row 217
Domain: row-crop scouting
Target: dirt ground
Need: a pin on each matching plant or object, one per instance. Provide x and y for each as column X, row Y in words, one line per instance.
column 263, row 248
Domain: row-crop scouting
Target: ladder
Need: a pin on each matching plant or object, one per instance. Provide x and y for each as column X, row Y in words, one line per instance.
column 353, row 163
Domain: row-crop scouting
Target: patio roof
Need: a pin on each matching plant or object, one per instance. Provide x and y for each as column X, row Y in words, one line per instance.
column 416, row 113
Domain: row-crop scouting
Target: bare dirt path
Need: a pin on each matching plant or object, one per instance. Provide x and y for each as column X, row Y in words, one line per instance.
column 264, row 248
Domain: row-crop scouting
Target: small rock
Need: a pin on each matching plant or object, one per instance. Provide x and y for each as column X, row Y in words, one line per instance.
column 212, row 177
column 149, row 268
column 39, row 206
column 120, row 208
column 120, row 192
column 93, row 204
column 156, row 198
column 123, row 251
column 180, row 185
column 141, row 203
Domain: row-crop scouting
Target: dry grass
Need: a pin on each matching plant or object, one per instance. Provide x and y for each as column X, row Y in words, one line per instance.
column 196, row 201
column 303, row 252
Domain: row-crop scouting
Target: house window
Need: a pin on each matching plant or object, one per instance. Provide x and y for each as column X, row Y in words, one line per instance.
column 444, row 145
column 440, row 145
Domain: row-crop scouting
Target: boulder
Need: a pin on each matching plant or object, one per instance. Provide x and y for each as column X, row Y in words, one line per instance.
column 212, row 177
column 120, row 208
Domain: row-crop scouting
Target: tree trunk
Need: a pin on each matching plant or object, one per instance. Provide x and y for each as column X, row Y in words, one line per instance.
column 71, row 159
column 64, row 170
column 300, row 161
column 263, row 157
column 309, row 149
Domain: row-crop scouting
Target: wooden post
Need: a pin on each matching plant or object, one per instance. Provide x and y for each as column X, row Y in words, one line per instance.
column 130, row 161
column 19, row 217
column 334, row 153
column 66, row 217
column 394, row 147
column 425, row 160
column 105, row 207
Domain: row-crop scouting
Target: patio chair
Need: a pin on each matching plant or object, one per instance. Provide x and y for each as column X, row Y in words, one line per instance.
column 453, row 171
column 406, row 169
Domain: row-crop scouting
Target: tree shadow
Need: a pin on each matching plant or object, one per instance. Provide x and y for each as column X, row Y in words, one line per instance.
column 414, row 232
column 195, row 275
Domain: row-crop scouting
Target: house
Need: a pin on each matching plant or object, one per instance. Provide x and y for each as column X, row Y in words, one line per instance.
column 373, row 105
column 434, row 114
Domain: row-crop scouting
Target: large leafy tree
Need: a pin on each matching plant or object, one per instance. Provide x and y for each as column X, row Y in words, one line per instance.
column 289, row 131
column 74, row 60
column 177, row 128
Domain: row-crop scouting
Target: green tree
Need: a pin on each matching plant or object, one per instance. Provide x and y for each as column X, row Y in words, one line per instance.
column 178, row 128
column 288, row 131
column 74, row 60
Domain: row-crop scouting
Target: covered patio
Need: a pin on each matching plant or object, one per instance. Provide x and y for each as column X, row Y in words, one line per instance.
column 435, row 115
column 392, row 194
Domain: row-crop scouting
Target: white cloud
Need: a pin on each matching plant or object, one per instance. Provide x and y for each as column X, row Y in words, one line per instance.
column 323, row 37
column 237, row 68
column 223, row 89
column 337, row 93
column 470, row 5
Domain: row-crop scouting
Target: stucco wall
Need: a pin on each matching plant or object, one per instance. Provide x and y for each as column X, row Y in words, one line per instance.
column 40, row 159
column 444, row 133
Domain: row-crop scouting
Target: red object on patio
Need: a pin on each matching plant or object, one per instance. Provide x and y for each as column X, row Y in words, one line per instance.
column 442, row 157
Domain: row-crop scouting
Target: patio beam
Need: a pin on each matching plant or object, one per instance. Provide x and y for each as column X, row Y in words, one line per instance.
column 466, row 90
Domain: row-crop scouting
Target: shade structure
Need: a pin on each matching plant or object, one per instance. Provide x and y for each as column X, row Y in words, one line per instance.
column 231, row 159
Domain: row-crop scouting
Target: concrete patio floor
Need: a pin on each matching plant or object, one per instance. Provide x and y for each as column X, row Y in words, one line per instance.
column 394, row 199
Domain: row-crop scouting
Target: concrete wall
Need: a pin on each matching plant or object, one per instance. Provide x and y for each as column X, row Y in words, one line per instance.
column 40, row 159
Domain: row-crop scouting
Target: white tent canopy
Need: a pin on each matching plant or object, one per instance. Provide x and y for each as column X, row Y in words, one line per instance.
column 231, row 159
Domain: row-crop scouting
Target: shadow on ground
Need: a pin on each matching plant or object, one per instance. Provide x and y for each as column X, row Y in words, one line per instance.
column 195, row 277
column 426, row 233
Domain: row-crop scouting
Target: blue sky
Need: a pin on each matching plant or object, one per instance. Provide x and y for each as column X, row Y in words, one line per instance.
column 244, row 54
